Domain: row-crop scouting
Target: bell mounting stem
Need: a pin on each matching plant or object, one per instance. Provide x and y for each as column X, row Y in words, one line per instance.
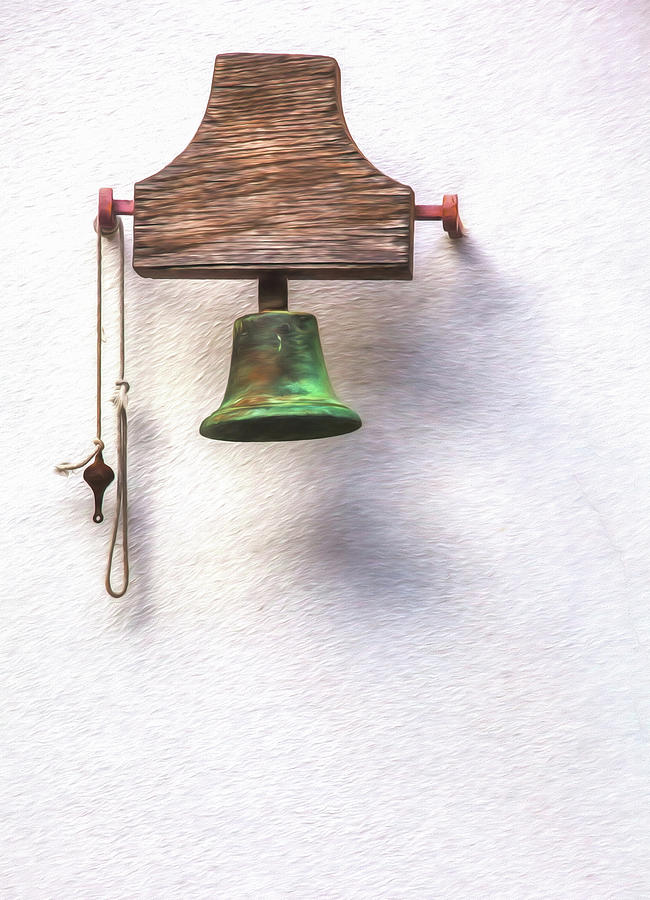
column 272, row 291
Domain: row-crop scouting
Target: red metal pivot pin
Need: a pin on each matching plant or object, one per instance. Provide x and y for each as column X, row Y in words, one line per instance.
column 447, row 213
column 109, row 208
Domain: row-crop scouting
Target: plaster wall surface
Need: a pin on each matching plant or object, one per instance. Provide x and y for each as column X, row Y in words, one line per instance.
column 411, row 662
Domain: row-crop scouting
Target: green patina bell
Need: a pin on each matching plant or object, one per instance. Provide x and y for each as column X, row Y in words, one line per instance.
column 278, row 388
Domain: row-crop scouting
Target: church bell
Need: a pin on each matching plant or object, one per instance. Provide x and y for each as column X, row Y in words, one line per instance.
column 278, row 388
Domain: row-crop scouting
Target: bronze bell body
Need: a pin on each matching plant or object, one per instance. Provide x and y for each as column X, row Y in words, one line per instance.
column 278, row 388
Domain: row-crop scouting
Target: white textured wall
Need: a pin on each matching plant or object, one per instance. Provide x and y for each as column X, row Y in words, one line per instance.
column 411, row 662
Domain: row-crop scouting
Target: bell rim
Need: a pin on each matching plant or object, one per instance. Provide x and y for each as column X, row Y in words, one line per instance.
column 283, row 422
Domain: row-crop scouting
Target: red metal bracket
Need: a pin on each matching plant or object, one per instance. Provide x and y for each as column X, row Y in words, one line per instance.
column 447, row 213
column 109, row 208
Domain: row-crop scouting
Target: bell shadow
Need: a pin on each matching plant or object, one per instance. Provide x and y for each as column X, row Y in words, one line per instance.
column 422, row 362
column 450, row 365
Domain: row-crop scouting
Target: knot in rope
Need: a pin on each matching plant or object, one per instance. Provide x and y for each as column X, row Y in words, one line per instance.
column 64, row 468
column 120, row 396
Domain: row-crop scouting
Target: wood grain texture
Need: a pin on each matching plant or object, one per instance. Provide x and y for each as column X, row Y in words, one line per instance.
column 272, row 181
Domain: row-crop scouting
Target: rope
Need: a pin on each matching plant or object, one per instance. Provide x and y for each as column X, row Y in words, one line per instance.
column 64, row 468
column 119, row 399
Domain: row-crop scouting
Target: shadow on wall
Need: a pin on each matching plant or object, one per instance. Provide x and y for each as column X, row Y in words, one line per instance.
column 438, row 381
column 436, row 367
column 138, row 606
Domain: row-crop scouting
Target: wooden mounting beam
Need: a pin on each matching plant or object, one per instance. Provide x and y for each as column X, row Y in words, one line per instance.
column 272, row 181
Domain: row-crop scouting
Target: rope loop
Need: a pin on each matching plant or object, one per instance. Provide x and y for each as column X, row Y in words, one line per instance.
column 121, row 495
